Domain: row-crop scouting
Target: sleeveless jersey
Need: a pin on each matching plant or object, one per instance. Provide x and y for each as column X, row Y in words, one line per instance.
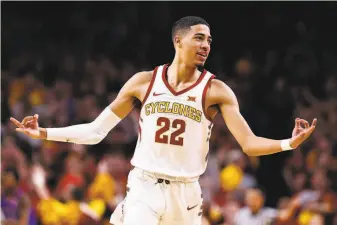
column 174, row 130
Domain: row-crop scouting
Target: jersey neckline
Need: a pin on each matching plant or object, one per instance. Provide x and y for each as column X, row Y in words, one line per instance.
column 174, row 92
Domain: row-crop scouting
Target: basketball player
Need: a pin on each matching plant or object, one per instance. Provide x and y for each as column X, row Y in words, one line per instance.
column 178, row 104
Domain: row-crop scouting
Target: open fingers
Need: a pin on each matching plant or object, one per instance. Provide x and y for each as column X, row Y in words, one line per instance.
column 314, row 123
column 26, row 119
column 297, row 123
column 29, row 123
column 309, row 131
column 304, row 123
column 17, row 123
column 29, row 120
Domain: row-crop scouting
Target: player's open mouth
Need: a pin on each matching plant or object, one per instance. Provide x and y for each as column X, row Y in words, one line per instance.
column 202, row 54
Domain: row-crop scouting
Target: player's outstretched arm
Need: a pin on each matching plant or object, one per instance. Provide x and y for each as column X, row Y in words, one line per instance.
column 96, row 131
column 251, row 144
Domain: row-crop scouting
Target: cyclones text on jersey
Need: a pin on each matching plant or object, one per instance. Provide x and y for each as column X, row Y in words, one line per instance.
column 174, row 108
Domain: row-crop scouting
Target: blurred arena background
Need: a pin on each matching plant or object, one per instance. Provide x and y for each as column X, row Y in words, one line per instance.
column 66, row 61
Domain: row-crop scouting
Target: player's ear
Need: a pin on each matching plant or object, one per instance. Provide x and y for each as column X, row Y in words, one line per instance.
column 177, row 41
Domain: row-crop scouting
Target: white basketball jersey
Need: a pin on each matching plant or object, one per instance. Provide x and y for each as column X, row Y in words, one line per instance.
column 174, row 130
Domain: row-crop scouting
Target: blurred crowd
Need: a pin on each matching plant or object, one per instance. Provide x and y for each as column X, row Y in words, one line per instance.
column 67, row 70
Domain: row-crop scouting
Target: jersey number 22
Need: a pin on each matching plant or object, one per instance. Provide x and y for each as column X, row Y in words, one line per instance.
column 165, row 125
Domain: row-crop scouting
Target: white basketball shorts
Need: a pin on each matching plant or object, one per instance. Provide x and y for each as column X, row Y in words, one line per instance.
column 154, row 199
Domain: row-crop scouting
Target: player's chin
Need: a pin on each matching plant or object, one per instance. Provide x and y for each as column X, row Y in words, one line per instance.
column 199, row 63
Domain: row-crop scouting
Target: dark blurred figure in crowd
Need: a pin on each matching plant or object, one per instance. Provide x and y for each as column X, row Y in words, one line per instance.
column 15, row 204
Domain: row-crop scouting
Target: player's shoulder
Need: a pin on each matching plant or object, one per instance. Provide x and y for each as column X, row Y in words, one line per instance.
column 137, row 84
column 142, row 77
column 219, row 92
column 219, row 85
column 220, row 88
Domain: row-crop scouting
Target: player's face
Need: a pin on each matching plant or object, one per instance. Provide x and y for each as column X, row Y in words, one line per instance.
column 196, row 45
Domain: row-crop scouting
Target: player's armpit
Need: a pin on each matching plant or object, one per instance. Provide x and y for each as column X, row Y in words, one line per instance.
column 135, row 88
column 252, row 145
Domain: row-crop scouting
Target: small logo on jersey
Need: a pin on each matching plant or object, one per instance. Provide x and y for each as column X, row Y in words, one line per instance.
column 157, row 94
column 189, row 208
column 190, row 98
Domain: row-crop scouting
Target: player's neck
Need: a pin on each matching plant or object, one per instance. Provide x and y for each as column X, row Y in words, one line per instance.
column 180, row 72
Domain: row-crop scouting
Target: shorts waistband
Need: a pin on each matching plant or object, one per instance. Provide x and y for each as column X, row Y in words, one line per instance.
column 172, row 179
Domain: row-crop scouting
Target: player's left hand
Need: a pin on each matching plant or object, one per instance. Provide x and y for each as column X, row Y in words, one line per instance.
column 301, row 132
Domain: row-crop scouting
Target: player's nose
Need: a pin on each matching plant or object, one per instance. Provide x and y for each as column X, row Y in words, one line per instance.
column 205, row 46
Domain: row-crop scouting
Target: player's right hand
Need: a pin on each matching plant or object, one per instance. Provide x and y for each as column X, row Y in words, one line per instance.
column 28, row 126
